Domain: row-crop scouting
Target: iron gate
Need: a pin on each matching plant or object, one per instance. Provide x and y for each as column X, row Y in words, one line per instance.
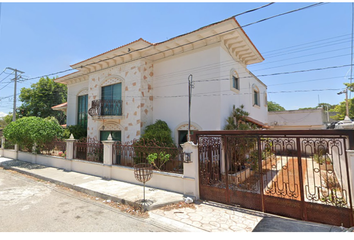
column 298, row 174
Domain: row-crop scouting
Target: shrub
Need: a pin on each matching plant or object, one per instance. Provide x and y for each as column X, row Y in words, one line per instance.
column 155, row 145
column 28, row 131
column 78, row 131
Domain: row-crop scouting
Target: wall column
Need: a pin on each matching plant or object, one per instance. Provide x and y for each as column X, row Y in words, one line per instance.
column 108, row 156
column 191, row 171
column 2, row 146
column 350, row 155
column 16, row 150
column 70, row 150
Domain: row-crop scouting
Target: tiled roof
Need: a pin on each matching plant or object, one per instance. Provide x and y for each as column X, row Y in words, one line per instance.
column 62, row 105
column 140, row 39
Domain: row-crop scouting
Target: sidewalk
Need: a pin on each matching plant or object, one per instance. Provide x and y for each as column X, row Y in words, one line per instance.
column 205, row 217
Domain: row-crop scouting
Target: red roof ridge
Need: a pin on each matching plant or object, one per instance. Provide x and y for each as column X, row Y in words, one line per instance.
column 61, row 105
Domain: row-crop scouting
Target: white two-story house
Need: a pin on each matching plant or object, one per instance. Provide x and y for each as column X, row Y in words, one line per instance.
column 128, row 88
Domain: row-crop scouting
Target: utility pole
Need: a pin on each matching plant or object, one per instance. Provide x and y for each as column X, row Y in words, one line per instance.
column 346, row 102
column 190, row 86
column 15, row 80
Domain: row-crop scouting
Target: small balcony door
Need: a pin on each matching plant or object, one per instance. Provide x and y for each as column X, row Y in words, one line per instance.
column 111, row 100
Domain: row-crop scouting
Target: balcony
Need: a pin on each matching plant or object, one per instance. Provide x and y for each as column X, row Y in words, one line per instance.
column 108, row 109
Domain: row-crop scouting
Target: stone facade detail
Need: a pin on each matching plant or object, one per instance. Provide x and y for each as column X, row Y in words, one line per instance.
column 136, row 95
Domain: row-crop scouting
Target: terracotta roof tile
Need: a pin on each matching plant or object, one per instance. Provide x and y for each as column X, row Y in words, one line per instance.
column 60, row 105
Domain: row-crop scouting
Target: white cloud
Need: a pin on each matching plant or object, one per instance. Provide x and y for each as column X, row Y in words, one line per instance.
column 2, row 114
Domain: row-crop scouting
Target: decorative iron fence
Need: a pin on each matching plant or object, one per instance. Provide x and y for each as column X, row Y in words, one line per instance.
column 102, row 107
column 166, row 159
column 298, row 174
column 89, row 149
column 57, row 147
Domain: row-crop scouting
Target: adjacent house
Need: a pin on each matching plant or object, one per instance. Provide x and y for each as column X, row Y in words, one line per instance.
column 128, row 88
column 299, row 119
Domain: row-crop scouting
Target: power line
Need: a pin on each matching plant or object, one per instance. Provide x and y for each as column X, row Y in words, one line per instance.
column 262, row 20
column 5, row 86
column 302, row 62
column 302, row 56
column 279, row 49
column 8, row 74
column 306, row 49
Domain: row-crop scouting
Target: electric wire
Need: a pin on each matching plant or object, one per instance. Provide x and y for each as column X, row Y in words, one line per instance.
column 302, row 56
column 279, row 49
column 8, row 74
column 262, row 20
column 309, row 48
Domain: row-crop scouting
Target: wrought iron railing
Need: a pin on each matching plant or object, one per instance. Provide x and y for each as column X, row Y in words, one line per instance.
column 106, row 108
column 89, row 149
column 56, row 147
column 129, row 154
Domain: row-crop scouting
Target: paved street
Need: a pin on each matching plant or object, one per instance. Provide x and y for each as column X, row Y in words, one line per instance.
column 37, row 198
column 28, row 205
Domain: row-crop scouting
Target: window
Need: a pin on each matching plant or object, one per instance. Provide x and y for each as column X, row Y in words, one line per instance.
column 82, row 110
column 235, row 83
column 112, row 100
column 116, row 135
column 256, row 97
column 183, row 136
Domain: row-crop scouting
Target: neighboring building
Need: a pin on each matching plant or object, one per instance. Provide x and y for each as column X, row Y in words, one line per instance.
column 299, row 119
column 128, row 88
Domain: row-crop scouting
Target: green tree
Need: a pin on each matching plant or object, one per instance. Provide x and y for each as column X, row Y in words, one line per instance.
column 341, row 107
column 341, row 110
column 274, row 107
column 78, row 131
column 28, row 131
column 325, row 106
column 41, row 97
column 237, row 120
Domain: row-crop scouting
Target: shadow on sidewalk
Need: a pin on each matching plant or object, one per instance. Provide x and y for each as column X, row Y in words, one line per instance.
column 275, row 224
column 20, row 164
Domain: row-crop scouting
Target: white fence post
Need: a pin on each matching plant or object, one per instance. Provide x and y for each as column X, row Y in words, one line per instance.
column 3, row 142
column 108, row 156
column 350, row 154
column 70, row 147
column 16, row 150
column 2, row 146
column 191, row 171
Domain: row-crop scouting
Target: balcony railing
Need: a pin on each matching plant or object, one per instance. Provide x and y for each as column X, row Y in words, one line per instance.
column 106, row 108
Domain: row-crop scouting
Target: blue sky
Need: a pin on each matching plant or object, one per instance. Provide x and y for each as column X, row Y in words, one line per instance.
column 43, row 38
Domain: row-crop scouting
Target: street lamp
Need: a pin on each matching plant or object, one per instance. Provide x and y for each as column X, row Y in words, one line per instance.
column 346, row 102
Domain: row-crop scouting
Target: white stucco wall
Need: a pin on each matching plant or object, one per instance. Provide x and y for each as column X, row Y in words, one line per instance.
column 297, row 119
column 242, row 97
column 212, row 99
column 171, row 88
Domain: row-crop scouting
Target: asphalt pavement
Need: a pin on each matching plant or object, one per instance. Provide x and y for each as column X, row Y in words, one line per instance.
column 204, row 216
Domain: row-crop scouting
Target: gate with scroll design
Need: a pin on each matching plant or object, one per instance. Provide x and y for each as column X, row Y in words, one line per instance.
column 297, row 174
